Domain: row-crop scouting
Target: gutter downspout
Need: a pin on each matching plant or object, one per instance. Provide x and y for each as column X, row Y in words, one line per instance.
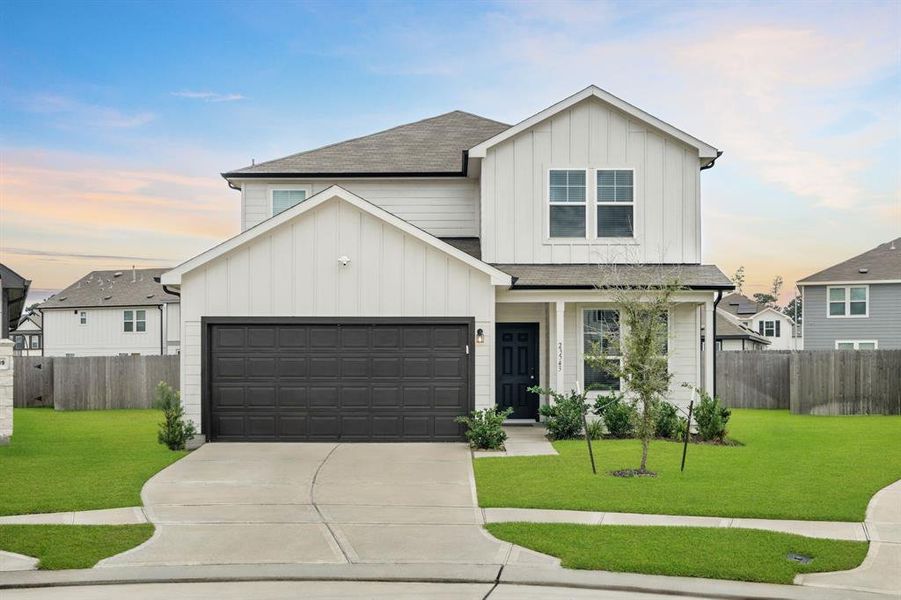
column 719, row 296
column 162, row 336
column 709, row 165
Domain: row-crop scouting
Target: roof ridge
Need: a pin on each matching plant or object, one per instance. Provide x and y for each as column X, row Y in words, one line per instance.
column 361, row 137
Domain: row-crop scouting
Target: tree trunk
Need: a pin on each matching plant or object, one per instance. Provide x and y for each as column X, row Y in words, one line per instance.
column 644, row 455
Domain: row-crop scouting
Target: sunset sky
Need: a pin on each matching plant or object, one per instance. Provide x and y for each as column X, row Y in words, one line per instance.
column 117, row 118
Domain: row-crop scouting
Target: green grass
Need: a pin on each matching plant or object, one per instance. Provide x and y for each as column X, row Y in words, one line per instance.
column 79, row 460
column 71, row 546
column 739, row 554
column 790, row 467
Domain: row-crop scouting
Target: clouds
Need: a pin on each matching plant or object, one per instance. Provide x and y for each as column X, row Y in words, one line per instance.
column 208, row 96
column 70, row 112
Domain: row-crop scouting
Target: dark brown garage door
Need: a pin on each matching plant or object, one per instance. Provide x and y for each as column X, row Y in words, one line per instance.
column 348, row 380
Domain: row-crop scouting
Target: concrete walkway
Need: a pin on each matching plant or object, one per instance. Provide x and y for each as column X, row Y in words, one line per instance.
column 835, row 530
column 522, row 440
column 881, row 570
column 319, row 504
column 133, row 515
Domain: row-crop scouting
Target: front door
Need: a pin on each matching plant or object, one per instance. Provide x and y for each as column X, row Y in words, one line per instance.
column 517, row 368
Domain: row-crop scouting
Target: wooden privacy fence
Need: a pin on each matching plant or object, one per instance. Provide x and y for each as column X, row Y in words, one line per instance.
column 92, row 382
column 819, row 382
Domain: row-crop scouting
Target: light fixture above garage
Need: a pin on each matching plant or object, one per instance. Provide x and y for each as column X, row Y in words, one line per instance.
column 480, row 336
column 343, row 260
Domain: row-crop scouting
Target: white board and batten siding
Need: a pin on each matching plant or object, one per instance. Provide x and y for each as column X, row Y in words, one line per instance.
column 591, row 135
column 103, row 334
column 293, row 270
column 442, row 207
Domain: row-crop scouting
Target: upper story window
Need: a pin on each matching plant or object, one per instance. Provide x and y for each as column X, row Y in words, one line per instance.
column 769, row 328
column 82, row 318
column 616, row 203
column 282, row 200
column 20, row 342
column 566, row 197
column 134, row 321
column 600, row 327
column 848, row 301
column 35, row 341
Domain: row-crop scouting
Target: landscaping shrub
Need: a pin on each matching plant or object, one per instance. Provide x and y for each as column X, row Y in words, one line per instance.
column 484, row 428
column 174, row 430
column 619, row 415
column 563, row 418
column 711, row 418
column 667, row 423
column 595, row 429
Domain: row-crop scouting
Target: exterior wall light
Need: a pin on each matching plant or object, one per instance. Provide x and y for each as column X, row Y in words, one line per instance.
column 480, row 336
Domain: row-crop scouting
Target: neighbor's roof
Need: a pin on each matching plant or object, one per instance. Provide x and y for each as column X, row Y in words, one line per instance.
column 728, row 328
column 34, row 317
column 587, row 276
column 740, row 305
column 882, row 263
column 112, row 288
column 433, row 146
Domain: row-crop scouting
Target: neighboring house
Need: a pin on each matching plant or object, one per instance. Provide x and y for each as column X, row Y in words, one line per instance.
column 110, row 313
column 731, row 334
column 385, row 285
column 13, row 291
column 856, row 304
column 775, row 326
column 28, row 336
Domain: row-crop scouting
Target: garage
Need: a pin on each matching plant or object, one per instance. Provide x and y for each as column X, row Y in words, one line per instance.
column 350, row 380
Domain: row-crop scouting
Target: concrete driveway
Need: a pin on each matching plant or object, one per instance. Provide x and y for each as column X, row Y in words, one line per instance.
column 319, row 503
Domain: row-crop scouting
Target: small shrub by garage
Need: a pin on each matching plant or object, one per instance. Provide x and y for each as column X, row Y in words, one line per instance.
column 484, row 428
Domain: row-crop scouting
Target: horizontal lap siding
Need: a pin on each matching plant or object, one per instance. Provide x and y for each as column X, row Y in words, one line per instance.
column 294, row 271
column 590, row 135
column 443, row 207
column 883, row 323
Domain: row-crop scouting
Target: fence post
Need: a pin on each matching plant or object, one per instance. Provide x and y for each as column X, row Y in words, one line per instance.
column 794, row 383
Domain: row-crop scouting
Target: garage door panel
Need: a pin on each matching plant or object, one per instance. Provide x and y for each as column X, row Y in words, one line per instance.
column 338, row 381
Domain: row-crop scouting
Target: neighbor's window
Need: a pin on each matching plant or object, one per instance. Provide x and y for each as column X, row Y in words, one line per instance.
column 769, row 328
column 600, row 327
column 848, row 301
column 134, row 321
column 20, row 342
column 566, row 196
column 856, row 344
column 282, row 200
column 616, row 204
column 35, row 342
column 83, row 318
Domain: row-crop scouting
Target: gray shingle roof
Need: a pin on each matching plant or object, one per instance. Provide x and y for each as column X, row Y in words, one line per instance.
column 470, row 245
column 433, row 145
column 112, row 288
column 740, row 305
column 591, row 276
column 881, row 263
column 727, row 329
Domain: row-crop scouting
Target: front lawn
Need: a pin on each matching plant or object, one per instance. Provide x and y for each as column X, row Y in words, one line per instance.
column 79, row 460
column 72, row 546
column 790, row 467
column 740, row 554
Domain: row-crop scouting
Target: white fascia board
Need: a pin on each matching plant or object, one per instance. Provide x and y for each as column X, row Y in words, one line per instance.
column 705, row 150
column 173, row 277
column 773, row 310
column 867, row 282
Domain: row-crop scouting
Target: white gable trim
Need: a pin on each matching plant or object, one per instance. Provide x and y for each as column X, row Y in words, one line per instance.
column 173, row 277
column 781, row 315
column 706, row 152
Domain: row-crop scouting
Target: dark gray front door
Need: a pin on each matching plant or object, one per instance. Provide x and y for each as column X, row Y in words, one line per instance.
column 517, row 368
column 347, row 380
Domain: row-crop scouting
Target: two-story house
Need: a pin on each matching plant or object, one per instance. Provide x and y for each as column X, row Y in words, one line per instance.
column 28, row 336
column 777, row 327
column 385, row 285
column 856, row 304
column 112, row 313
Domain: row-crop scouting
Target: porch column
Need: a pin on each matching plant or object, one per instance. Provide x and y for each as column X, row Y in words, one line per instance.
column 709, row 346
column 558, row 347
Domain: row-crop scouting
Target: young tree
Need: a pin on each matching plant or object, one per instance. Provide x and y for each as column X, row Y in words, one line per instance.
column 764, row 298
column 739, row 278
column 776, row 288
column 640, row 347
column 795, row 309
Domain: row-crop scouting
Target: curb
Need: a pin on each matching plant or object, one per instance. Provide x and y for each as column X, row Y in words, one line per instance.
column 432, row 573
